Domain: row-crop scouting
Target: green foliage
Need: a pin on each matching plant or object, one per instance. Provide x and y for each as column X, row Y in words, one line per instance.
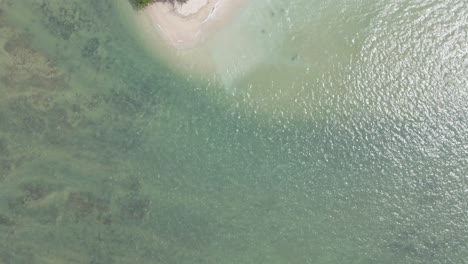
column 139, row 4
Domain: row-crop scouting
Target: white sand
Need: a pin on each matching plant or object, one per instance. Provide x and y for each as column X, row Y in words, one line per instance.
column 190, row 7
column 186, row 25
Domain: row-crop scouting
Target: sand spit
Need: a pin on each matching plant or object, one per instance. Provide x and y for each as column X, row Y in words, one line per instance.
column 184, row 25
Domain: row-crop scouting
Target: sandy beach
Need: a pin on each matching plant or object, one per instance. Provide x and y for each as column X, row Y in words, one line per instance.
column 186, row 25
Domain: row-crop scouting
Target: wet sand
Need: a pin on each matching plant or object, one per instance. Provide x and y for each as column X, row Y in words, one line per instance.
column 187, row 25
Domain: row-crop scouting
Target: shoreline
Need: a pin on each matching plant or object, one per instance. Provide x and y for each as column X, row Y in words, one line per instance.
column 187, row 25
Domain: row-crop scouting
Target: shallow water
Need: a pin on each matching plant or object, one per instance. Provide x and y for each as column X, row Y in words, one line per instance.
column 326, row 132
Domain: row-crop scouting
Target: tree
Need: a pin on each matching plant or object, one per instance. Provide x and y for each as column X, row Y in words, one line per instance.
column 139, row 4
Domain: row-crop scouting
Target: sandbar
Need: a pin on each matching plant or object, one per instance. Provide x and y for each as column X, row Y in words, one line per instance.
column 185, row 25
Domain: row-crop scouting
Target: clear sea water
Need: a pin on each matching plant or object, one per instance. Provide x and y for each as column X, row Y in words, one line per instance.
column 329, row 132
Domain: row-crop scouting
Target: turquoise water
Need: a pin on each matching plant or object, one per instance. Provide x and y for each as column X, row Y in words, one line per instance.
column 343, row 140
